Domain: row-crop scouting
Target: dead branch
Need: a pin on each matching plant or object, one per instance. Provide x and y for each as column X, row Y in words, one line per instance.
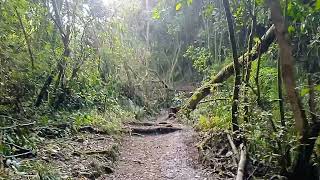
column 242, row 162
column 17, row 125
column 233, row 147
column 25, row 154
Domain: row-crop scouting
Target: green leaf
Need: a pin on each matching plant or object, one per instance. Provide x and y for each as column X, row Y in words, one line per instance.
column 318, row 5
column 189, row 2
column 291, row 29
column 304, row 91
column 178, row 6
column 259, row 2
column 156, row 14
column 208, row 10
column 256, row 39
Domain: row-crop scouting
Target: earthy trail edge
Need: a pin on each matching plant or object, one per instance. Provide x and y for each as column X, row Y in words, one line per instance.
column 160, row 156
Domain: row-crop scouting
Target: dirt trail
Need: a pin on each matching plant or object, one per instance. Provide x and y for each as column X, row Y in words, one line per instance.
column 160, row 156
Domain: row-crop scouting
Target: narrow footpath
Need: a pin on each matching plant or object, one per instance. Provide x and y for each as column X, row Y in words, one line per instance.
column 159, row 150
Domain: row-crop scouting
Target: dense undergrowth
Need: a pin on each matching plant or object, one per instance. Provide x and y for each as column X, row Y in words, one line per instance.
column 73, row 65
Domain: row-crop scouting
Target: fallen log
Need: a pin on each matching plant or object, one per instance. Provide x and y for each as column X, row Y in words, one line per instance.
column 228, row 70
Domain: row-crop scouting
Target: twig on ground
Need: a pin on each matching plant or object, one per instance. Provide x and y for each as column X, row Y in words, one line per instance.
column 252, row 173
column 108, row 151
column 29, row 153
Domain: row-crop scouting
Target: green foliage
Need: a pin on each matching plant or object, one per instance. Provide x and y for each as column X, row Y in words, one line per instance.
column 306, row 91
column 208, row 11
column 181, row 3
column 200, row 57
column 178, row 6
column 212, row 123
column 317, row 4
column 156, row 13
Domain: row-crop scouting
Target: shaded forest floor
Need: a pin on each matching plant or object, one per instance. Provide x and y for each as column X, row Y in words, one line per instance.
column 157, row 149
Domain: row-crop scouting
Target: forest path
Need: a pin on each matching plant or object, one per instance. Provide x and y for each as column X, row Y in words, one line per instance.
column 168, row 153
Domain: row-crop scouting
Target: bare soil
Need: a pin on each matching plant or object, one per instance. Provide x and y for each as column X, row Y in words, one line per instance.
column 160, row 156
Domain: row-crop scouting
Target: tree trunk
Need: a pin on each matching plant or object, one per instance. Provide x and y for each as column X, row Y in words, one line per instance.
column 248, row 63
column 287, row 67
column 302, row 168
column 228, row 71
column 26, row 39
column 44, row 90
column 281, row 107
column 312, row 97
column 257, row 78
column 237, row 81
column 65, row 31
column 1, row 155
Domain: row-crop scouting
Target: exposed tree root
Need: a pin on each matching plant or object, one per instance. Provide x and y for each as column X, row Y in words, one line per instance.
column 142, row 123
column 154, row 130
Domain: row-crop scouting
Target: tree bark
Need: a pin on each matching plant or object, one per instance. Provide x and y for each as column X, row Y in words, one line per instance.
column 237, row 81
column 1, row 155
column 44, row 90
column 286, row 60
column 228, row 71
column 302, row 168
column 312, row 97
column 257, row 78
column 280, row 96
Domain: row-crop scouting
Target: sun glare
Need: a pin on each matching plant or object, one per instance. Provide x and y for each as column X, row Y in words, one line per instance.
column 108, row 2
